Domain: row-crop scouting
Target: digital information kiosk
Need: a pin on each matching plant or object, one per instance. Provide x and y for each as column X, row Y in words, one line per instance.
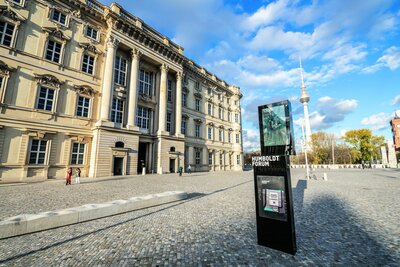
column 273, row 190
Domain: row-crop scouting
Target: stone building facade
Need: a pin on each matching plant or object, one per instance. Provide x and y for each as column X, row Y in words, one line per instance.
column 395, row 125
column 91, row 86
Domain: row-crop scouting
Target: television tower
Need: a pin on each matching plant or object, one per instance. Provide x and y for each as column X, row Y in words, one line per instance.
column 304, row 99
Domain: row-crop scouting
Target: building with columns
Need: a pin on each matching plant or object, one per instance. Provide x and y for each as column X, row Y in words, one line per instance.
column 91, row 86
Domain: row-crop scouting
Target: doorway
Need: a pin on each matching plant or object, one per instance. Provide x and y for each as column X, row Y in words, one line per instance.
column 141, row 157
column 118, row 165
column 171, row 165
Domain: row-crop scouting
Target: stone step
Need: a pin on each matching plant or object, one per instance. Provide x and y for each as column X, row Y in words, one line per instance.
column 30, row 223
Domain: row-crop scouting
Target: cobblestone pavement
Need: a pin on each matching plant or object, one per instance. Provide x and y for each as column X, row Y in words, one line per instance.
column 350, row 220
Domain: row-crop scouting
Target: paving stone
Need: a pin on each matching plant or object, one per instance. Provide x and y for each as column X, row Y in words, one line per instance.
column 349, row 220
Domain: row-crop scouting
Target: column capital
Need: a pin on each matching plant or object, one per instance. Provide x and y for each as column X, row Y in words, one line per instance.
column 179, row 76
column 112, row 42
column 135, row 53
column 164, row 67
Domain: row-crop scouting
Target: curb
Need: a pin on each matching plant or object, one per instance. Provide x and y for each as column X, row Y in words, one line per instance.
column 30, row 223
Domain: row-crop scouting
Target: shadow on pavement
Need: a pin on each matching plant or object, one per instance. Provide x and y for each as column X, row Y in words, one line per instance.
column 191, row 197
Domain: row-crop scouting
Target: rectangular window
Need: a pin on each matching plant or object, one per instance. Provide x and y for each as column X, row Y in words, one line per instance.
column 209, row 90
column 120, row 70
column 236, row 118
column 223, row 115
column 183, row 126
column 53, row 51
column 197, row 130
column 236, row 102
column 210, row 156
column 145, row 82
column 221, row 135
column 143, row 117
column 221, row 156
column 238, row 159
column 46, row 99
column 197, row 86
column 168, row 126
column 169, row 91
column 229, row 137
column 83, row 107
column 59, row 17
column 198, row 156
column 229, row 116
column 1, row 81
column 210, row 109
column 6, row 33
column 209, row 133
column 19, row 2
column 237, row 139
column 91, row 33
column 230, row 159
column 117, row 110
column 220, row 113
column 78, row 154
column 228, row 100
column 37, row 154
column 197, row 104
column 87, row 64
column 184, row 100
column 219, row 97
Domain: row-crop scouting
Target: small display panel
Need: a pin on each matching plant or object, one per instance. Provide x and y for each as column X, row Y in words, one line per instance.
column 274, row 126
column 271, row 197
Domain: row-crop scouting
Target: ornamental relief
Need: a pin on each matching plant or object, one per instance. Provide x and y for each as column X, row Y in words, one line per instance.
column 84, row 90
column 5, row 69
column 11, row 14
column 47, row 79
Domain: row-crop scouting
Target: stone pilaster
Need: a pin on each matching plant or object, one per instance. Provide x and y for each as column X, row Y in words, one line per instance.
column 178, row 104
column 135, row 54
column 106, row 90
column 163, row 99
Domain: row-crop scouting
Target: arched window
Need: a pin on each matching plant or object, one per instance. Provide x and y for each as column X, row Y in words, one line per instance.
column 119, row 144
column 172, row 149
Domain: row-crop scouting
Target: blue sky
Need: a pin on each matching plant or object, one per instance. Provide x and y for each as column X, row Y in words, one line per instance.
column 350, row 52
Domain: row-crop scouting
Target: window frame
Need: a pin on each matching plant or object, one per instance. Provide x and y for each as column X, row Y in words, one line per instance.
column 197, row 156
column 197, row 104
column 119, row 72
column 145, row 88
column 61, row 54
column 78, row 153
column 168, row 123
column 144, row 120
column 197, row 130
column 209, row 133
column 210, row 158
column 54, row 102
column 93, row 66
column 51, row 17
column 209, row 109
column 184, row 99
column 30, row 151
column 4, row 34
column 183, row 125
column 238, row 159
column 169, row 90
column 116, row 112
column 85, row 30
column 89, row 108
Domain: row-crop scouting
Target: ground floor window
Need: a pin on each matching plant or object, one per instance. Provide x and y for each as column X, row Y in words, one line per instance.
column 198, row 155
column 221, row 156
column 143, row 117
column 238, row 159
column 210, row 156
column 78, row 154
column 37, row 153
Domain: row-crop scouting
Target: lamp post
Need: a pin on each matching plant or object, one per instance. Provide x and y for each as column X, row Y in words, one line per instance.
column 305, row 147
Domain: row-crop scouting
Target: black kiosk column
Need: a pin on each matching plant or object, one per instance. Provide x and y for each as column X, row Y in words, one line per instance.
column 273, row 190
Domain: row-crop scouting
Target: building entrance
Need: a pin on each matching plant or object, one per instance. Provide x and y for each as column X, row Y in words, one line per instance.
column 118, row 165
column 171, row 165
column 142, row 156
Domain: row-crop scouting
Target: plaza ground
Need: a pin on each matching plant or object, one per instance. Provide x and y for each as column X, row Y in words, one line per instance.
column 350, row 220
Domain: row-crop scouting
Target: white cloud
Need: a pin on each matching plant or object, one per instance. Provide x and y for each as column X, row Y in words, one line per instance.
column 377, row 121
column 390, row 59
column 266, row 14
column 328, row 112
column 396, row 100
column 251, row 140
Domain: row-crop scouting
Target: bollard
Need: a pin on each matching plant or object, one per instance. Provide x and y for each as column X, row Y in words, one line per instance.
column 143, row 170
column 325, row 177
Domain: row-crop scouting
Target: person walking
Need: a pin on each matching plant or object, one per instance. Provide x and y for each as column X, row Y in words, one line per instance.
column 78, row 176
column 190, row 169
column 69, row 174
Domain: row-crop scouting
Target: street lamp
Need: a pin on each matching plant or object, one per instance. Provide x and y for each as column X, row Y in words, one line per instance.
column 305, row 147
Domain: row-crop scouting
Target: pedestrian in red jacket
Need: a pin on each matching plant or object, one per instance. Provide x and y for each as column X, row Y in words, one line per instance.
column 69, row 174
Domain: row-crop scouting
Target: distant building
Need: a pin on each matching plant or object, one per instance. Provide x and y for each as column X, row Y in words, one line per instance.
column 92, row 86
column 395, row 123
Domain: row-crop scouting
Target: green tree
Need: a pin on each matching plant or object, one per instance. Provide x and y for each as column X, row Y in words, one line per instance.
column 364, row 144
column 321, row 147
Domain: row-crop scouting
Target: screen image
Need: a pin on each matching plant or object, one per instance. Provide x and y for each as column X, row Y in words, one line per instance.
column 271, row 197
column 274, row 126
